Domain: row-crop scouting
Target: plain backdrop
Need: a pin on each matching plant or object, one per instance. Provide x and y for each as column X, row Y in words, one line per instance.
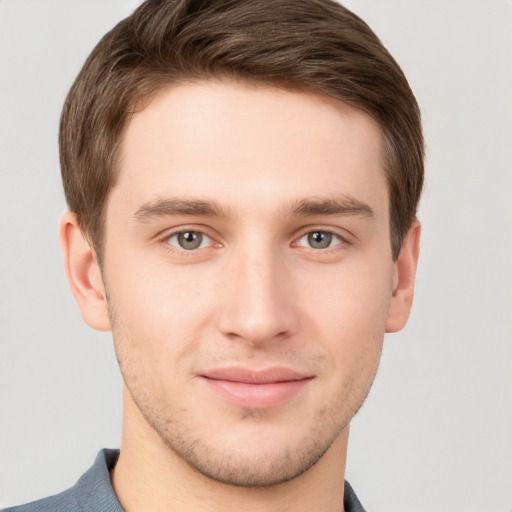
column 436, row 431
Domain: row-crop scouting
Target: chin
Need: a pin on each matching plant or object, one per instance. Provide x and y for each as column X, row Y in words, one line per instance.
column 261, row 468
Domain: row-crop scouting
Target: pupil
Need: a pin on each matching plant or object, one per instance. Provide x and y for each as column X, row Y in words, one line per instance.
column 190, row 240
column 319, row 239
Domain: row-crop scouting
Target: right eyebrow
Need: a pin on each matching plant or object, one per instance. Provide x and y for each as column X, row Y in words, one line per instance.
column 175, row 206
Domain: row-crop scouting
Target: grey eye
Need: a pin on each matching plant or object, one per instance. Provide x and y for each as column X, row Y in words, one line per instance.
column 187, row 240
column 319, row 239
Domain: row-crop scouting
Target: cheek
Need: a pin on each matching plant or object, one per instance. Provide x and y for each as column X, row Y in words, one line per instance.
column 348, row 309
column 160, row 310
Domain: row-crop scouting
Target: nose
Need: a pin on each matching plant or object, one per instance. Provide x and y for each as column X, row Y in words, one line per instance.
column 258, row 306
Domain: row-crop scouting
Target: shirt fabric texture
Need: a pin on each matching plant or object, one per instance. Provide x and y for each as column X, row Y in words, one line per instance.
column 93, row 492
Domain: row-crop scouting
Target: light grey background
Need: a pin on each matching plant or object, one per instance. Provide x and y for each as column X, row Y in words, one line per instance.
column 436, row 432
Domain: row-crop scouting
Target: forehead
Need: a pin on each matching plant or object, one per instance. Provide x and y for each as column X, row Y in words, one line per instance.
column 246, row 145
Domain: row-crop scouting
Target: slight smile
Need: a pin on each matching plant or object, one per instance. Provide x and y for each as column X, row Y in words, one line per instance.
column 256, row 389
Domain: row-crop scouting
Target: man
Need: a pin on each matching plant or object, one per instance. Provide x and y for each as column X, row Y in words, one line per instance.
column 242, row 179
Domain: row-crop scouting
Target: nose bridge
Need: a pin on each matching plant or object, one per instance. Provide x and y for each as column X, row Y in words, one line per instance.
column 257, row 306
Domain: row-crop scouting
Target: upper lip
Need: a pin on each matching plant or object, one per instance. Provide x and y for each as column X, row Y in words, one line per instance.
column 248, row 376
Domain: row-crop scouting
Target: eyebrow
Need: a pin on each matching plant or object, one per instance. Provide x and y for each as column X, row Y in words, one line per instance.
column 174, row 206
column 343, row 205
column 308, row 207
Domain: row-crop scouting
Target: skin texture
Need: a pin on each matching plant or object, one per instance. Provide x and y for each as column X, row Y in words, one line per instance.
column 254, row 171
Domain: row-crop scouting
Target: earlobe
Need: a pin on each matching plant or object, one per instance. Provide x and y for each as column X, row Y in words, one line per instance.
column 84, row 274
column 403, row 283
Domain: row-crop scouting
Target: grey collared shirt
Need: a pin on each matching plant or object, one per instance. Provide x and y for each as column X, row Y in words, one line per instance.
column 93, row 492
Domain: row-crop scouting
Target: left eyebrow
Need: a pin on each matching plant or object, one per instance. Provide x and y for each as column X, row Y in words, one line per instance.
column 334, row 206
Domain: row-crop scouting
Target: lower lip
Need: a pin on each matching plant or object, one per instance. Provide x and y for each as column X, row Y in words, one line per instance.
column 257, row 396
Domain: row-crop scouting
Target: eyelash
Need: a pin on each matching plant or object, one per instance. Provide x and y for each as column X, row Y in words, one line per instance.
column 333, row 237
column 186, row 252
column 341, row 241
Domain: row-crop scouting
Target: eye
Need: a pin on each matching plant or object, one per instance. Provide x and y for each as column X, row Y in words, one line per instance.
column 319, row 240
column 189, row 240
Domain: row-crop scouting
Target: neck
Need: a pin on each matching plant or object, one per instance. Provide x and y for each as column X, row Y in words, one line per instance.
column 149, row 476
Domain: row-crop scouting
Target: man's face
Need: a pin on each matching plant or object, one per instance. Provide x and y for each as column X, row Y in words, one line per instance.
column 248, row 271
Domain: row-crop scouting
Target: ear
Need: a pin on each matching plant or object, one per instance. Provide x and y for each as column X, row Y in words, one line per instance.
column 84, row 274
column 403, row 280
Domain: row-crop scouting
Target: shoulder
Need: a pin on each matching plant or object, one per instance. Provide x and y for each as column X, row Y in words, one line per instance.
column 63, row 502
column 351, row 501
column 92, row 492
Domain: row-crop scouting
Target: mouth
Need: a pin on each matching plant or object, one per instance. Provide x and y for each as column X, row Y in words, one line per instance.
column 260, row 389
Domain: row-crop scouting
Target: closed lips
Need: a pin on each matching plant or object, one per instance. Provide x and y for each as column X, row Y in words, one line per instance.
column 256, row 389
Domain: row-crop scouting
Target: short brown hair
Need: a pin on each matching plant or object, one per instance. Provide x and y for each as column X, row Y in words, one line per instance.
column 308, row 45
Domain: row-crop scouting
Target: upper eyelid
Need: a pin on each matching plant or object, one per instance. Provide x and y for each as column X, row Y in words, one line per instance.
column 333, row 233
column 342, row 240
column 167, row 233
column 345, row 235
column 175, row 233
column 171, row 234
